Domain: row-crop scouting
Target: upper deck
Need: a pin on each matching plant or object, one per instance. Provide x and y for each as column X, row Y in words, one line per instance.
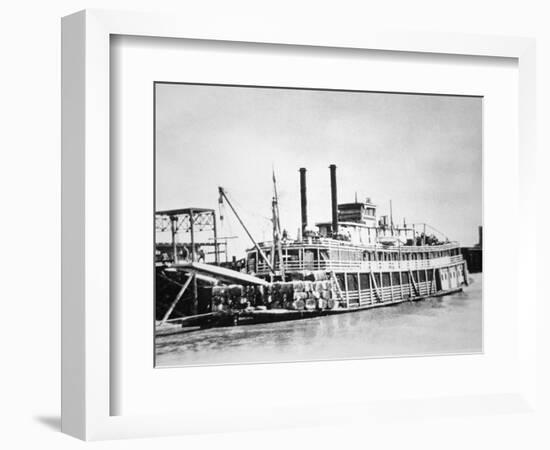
column 332, row 255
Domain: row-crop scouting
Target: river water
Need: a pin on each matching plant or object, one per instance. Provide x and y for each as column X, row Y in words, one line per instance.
column 442, row 325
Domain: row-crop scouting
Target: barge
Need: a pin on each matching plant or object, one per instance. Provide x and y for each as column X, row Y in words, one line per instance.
column 355, row 261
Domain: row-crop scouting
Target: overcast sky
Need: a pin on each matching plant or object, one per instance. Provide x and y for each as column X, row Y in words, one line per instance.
column 424, row 152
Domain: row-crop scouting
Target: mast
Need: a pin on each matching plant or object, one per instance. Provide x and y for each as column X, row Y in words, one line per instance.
column 261, row 253
column 334, row 199
column 303, row 201
column 391, row 218
column 277, row 228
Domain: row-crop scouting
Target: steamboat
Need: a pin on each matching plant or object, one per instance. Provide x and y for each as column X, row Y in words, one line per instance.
column 353, row 262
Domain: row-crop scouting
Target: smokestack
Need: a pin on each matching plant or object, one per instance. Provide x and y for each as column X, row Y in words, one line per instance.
column 480, row 232
column 334, row 196
column 303, row 198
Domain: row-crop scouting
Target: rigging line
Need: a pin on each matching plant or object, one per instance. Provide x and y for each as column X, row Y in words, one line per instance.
column 436, row 230
column 433, row 228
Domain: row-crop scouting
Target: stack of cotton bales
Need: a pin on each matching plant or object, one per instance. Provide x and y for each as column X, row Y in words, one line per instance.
column 302, row 295
column 255, row 295
column 229, row 297
column 281, row 294
column 311, row 295
column 322, row 294
column 220, row 298
column 296, row 295
column 318, row 275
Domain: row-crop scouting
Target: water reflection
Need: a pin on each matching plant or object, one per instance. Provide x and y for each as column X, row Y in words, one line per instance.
column 451, row 324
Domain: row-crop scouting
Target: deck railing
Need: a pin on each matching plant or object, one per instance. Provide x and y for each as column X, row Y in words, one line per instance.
column 369, row 266
column 332, row 244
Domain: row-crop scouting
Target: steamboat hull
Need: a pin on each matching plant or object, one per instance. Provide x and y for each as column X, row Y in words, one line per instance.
column 323, row 294
column 241, row 318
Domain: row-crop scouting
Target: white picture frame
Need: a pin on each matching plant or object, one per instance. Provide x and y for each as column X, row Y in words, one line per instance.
column 86, row 319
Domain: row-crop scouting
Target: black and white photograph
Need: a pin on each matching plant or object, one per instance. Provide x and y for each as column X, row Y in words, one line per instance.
column 302, row 224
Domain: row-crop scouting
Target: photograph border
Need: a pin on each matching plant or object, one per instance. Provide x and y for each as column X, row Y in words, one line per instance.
column 85, row 190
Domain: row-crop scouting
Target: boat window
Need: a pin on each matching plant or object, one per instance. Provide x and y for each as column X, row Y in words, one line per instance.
column 430, row 275
column 385, row 279
column 377, row 279
column 293, row 255
column 352, row 281
column 405, row 277
column 395, row 279
column 422, row 277
column 341, row 280
column 364, row 278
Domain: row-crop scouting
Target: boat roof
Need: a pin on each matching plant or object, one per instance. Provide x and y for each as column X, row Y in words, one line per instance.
column 176, row 212
column 221, row 272
column 355, row 205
